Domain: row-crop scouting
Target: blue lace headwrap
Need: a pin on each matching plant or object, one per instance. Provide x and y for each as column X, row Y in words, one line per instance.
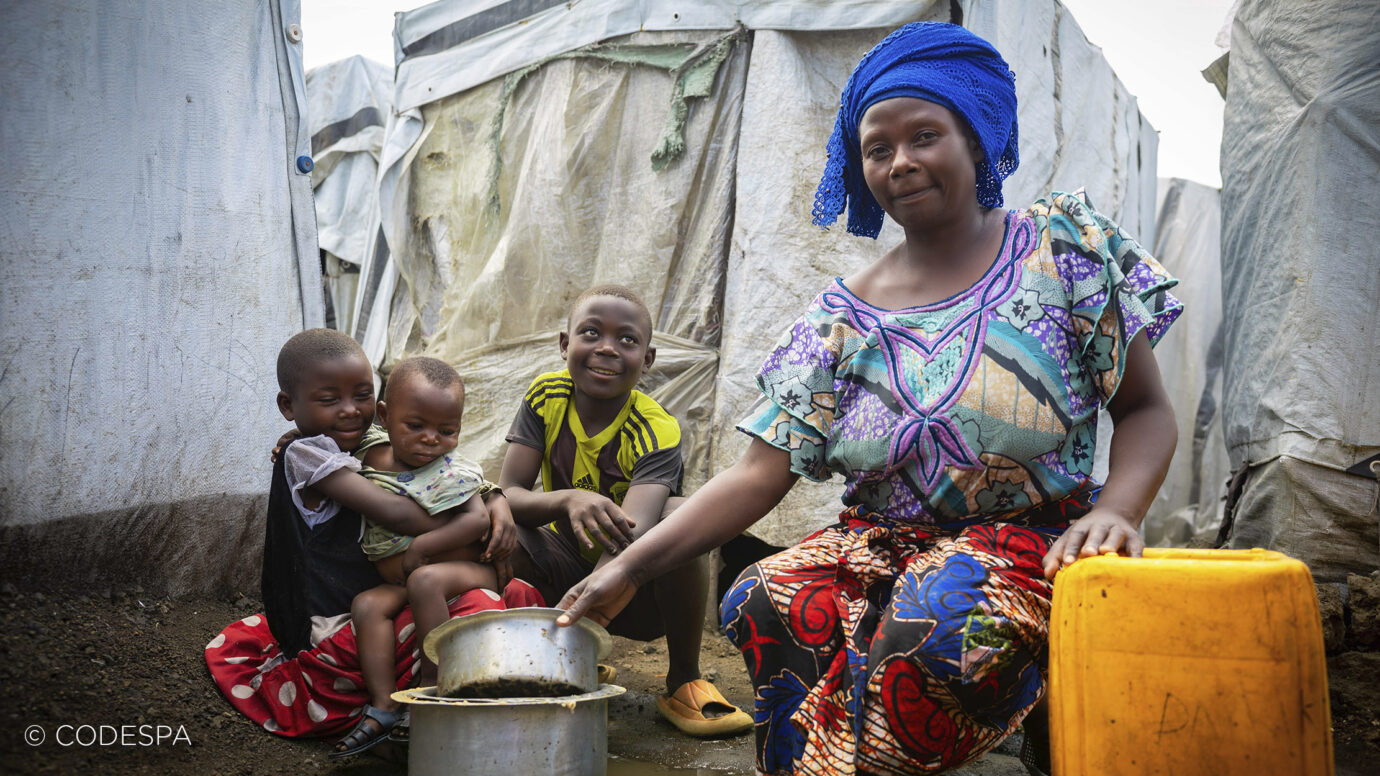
column 944, row 64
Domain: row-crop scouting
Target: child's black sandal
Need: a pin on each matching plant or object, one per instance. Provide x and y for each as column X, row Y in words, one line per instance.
column 361, row 739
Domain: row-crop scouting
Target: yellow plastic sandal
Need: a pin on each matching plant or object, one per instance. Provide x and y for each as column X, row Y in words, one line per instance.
column 686, row 706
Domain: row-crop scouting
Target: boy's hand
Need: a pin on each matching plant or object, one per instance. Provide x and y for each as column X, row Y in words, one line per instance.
column 593, row 515
column 502, row 531
column 283, row 442
column 504, row 569
column 1098, row 532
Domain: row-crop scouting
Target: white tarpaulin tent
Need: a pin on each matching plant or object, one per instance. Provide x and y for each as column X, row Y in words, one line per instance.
column 348, row 103
column 1301, row 281
column 1188, row 237
column 158, row 247
column 543, row 147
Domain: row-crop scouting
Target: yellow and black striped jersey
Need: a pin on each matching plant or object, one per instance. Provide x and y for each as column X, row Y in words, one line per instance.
column 641, row 445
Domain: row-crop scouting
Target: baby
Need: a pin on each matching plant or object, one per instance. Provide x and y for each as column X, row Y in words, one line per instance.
column 413, row 453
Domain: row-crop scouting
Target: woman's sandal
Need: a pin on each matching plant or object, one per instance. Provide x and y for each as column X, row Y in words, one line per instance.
column 361, row 738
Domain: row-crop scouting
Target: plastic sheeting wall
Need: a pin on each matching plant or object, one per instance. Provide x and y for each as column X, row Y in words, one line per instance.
column 155, row 241
column 348, row 104
column 720, row 242
column 451, row 46
column 1080, row 127
column 1188, row 238
column 488, row 283
column 1301, row 279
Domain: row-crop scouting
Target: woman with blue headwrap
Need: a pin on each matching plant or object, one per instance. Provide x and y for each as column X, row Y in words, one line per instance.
column 955, row 385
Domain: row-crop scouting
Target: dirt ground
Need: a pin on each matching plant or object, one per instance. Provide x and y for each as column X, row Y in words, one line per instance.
column 124, row 658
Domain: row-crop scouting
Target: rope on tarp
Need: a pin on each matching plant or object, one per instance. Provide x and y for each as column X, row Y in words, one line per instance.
column 692, row 67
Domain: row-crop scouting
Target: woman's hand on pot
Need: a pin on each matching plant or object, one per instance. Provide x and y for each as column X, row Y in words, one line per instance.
column 1098, row 532
column 599, row 596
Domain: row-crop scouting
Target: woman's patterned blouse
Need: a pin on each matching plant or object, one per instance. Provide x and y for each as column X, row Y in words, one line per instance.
column 980, row 405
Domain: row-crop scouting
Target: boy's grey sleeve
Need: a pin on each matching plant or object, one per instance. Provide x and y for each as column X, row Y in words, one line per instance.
column 662, row 466
column 528, row 428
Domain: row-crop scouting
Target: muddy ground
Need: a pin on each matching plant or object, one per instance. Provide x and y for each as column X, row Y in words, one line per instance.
column 125, row 658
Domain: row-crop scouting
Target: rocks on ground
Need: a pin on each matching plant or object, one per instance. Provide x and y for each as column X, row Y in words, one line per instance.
column 1363, row 611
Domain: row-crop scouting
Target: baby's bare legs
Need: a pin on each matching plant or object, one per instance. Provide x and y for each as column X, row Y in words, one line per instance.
column 372, row 613
column 428, row 590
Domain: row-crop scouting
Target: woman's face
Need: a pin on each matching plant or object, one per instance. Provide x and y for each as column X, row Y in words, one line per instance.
column 918, row 161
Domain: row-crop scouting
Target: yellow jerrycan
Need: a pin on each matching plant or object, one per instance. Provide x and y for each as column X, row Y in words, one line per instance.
column 1188, row 662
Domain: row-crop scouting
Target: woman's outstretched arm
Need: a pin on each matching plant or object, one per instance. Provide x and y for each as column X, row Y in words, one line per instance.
column 1142, row 446
column 717, row 512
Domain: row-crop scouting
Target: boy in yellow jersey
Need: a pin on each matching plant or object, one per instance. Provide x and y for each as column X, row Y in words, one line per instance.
column 610, row 464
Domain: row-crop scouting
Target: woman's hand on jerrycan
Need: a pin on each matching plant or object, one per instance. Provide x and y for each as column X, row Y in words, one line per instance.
column 1099, row 532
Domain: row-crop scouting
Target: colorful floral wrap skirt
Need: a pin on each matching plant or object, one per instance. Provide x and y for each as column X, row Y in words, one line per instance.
column 880, row 648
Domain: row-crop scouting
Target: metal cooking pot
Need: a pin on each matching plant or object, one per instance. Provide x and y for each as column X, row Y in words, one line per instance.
column 566, row 736
column 517, row 646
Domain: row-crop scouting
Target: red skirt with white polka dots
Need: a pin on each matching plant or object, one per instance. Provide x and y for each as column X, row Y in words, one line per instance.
column 321, row 691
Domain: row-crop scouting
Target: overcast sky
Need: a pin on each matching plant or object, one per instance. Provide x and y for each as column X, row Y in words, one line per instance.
column 1158, row 49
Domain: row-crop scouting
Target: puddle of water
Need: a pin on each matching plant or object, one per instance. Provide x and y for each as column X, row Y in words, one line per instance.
column 622, row 766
